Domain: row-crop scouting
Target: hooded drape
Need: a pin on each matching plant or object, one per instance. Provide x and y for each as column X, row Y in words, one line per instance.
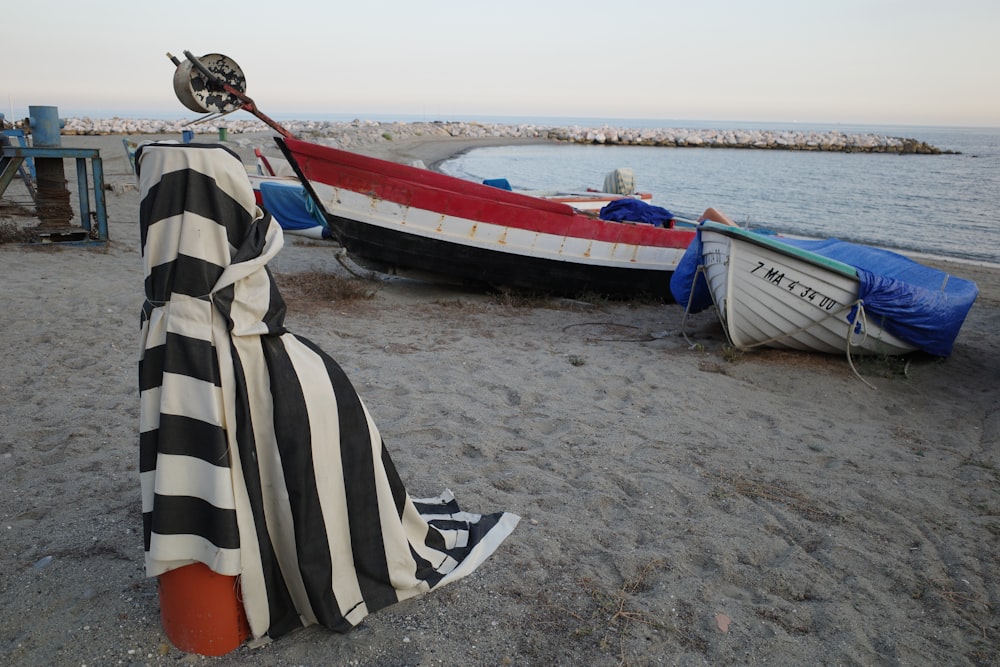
column 257, row 456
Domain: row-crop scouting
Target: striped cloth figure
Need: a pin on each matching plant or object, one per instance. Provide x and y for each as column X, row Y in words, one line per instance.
column 257, row 456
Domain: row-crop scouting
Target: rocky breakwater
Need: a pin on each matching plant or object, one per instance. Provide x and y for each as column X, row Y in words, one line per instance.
column 792, row 140
column 356, row 133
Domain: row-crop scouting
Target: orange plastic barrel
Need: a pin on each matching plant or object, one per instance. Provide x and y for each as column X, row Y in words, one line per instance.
column 201, row 610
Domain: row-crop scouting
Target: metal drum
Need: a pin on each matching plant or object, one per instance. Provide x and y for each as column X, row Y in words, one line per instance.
column 197, row 92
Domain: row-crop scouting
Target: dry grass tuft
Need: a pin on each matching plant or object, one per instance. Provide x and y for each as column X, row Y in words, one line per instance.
column 512, row 301
column 312, row 290
column 709, row 366
column 619, row 610
column 11, row 232
column 464, row 306
column 732, row 354
column 515, row 300
column 773, row 492
column 882, row 366
column 609, row 616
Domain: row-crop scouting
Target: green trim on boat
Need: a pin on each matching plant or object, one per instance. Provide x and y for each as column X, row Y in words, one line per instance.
column 774, row 243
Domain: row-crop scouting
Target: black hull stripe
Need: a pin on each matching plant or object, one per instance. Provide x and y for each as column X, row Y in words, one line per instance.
column 385, row 248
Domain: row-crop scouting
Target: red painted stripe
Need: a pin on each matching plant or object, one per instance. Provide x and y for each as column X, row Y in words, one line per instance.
column 429, row 190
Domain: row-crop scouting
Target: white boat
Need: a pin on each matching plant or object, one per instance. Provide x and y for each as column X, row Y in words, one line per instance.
column 588, row 200
column 822, row 296
column 618, row 184
column 278, row 190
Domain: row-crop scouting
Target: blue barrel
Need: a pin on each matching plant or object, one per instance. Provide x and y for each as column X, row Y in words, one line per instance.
column 187, row 135
column 44, row 127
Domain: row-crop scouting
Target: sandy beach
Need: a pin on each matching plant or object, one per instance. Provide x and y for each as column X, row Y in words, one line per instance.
column 681, row 504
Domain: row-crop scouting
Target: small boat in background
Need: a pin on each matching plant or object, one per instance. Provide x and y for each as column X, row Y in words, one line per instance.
column 397, row 218
column 278, row 191
column 269, row 170
column 618, row 184
column 588, row 200
column 820, row 295
column 294, row 209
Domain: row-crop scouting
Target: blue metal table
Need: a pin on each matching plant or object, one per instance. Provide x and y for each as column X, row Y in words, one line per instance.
column 12, row 157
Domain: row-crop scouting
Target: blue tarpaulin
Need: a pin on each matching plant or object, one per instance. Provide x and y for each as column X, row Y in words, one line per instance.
column 636, row 210
column 688, row 287
column 501, row 183
column 916, row 303
column 292, row 207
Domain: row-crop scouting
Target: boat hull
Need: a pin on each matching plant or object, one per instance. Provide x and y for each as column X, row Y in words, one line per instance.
column 398, row 218
column 769, row 297
column 389, row 251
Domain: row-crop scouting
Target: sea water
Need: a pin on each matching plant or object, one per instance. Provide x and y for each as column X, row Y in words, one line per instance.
column 938, row 205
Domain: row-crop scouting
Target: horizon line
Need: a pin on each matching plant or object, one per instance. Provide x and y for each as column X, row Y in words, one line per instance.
column 164, row 115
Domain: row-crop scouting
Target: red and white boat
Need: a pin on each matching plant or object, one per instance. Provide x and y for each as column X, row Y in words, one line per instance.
column 396, row 218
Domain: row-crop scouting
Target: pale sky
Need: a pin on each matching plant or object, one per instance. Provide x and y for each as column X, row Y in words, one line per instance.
column 878, row 62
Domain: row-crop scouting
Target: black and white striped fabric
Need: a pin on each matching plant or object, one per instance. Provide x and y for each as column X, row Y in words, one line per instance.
column 257, row 456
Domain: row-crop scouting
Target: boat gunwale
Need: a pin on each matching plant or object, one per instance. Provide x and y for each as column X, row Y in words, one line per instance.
column 780, row 247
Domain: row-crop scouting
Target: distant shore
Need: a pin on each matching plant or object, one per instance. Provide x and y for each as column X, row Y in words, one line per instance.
column 350, row 134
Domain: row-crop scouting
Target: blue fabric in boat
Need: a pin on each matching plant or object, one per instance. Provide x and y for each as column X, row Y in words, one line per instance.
column 501, row 183
column 919, row 304
column 636, row 210
column 291, row 206
column 688, row 287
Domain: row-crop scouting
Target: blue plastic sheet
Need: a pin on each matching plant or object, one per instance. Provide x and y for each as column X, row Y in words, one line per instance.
column 501, row 183
column 919, row 304
column 291, row 206
column 636, row 210
column 688, row 287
